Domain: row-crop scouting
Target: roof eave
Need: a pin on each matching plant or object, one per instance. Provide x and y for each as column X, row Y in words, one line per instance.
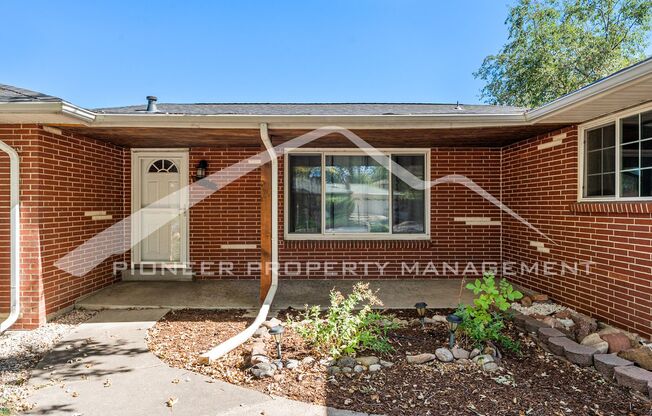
column 55, row 112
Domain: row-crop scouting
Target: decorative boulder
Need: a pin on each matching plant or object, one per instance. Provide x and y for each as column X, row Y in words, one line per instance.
column 584, row 325
column 444, row 355
column 421, row 358
column 347, row 362
column 617, row 342
column 368, row 361
column 460, row 353
column 539, row 297
column 594, row 340
column 261, row 370
column 641, row 356
column 526, row 301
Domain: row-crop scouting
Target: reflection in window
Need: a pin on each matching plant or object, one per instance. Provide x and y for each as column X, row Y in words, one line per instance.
column 636, row 155
column 408, row 204
column 357, row 195
column 601, row 161
column 163, row 166
column 305, row 194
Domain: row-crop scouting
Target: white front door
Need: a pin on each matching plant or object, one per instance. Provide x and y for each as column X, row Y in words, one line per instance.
column 160, row 199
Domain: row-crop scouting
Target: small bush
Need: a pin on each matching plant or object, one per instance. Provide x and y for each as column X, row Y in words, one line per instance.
column 484, row 320
column 348, row 326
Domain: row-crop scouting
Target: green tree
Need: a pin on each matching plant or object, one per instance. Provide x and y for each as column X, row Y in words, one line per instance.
column 557, row 46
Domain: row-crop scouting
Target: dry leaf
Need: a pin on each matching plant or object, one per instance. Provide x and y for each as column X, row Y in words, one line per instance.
column 172, row 401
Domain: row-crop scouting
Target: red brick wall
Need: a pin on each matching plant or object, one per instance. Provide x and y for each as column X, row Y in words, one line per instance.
column 450, row 241
column 229, row 216
column 62, row 176
column 541, row 185
column 4, row 233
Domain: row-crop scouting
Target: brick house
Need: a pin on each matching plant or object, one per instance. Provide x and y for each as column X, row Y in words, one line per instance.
column 574, row 177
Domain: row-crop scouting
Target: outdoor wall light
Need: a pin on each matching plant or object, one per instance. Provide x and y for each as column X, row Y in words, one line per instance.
column 202, row 166
column 453, row 322
column 277, row 333
column 421, row 310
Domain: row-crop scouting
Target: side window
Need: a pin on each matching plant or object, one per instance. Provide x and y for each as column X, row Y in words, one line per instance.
column 600, row 162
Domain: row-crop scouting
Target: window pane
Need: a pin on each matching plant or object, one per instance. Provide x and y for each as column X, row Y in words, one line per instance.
column 594, row 139
column 629, row 183
column 357, row 195
column 608, row 160
column 594, row 162
column 646, row 153
column 646, row 182
column 609, row 136
column 609, row 184
column 305, row 194
column 629, row 156
column 408, row 204
column 630, row 129
column 594, row 185
column 646, row 125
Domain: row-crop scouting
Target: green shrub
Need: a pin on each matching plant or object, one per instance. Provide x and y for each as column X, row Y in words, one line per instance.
column 484, row 320
column 348, row 326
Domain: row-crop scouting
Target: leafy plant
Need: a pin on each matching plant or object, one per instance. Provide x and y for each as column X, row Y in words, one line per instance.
column 484, row 320
column 348, row 326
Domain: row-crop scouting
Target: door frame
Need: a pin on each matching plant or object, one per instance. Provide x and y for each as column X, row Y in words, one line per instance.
column 136, row 199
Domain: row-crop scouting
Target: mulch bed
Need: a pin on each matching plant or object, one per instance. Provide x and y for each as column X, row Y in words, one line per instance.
column 535, row 383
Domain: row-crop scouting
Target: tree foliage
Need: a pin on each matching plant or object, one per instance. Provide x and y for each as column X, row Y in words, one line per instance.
column 557, row 46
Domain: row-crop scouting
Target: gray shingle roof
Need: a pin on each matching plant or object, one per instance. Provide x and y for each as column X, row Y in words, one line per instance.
column 10, row 94
column 364, row 109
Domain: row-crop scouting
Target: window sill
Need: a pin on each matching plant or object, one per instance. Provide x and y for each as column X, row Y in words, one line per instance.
column 612, row 207
column 351, row 244
column 357, row 237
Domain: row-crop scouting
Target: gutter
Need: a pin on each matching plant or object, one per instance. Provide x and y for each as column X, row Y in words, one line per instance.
column 14, row 235
column 234, row 342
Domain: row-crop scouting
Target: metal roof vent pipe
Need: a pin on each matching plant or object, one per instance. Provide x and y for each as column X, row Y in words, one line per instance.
column 151, row 104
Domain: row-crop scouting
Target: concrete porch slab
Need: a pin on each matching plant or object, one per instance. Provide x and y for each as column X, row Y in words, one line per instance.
column 243, row 294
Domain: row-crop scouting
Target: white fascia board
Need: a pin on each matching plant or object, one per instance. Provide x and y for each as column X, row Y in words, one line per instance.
column 442, row 121
column 592, row 91
column 44, row 112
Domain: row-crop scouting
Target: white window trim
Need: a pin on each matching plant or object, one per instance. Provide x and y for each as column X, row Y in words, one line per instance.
column 581, row 174
column 354, row 236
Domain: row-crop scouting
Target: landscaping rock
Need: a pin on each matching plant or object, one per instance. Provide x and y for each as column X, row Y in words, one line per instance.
column 358, row 369
column 307, row 361
column 617, row 342
column 490, row 351
column 334, row 370
column 633, row 377
column 490, row 367
column 347, row 370
column 460, row 353
column 482, row 359
column 581, row 355
column 545, row 333
column 641, row 356
column 386, row 364
column 291, row 364
column 584, row 325
column 551, row 322
column 557, row 344
column 565, row 314
column 272, row 323
column 262, row 370
column 368, row 361
column 347, row 362
column 605, row 364
column 258, row 347
column 375, row 367
column 262, row 333
column 474, row 353
column 594, row 340
column 444, row 355
column 256, row 359
column 526, row 301
column 533, row 325
column 539, row 297
column 420, row 358
column 438, row 318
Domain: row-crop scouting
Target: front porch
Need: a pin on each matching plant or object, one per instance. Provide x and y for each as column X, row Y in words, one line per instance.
column 244, row 294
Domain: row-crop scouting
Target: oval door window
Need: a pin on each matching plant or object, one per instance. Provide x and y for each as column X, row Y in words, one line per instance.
column 163, row 166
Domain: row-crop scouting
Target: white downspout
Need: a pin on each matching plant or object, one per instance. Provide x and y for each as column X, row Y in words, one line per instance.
column 243, row 336
column 14, row 186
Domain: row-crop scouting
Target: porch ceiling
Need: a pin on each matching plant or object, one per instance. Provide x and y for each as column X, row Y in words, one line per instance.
column 135, row 137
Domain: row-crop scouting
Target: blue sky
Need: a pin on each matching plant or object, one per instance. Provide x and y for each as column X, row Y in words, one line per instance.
column 98, row 54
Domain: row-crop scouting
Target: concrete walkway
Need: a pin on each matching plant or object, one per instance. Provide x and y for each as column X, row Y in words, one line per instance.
column 226, row 294
column 105, row 368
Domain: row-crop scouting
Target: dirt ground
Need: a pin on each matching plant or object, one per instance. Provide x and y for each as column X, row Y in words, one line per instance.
column 536, row 383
